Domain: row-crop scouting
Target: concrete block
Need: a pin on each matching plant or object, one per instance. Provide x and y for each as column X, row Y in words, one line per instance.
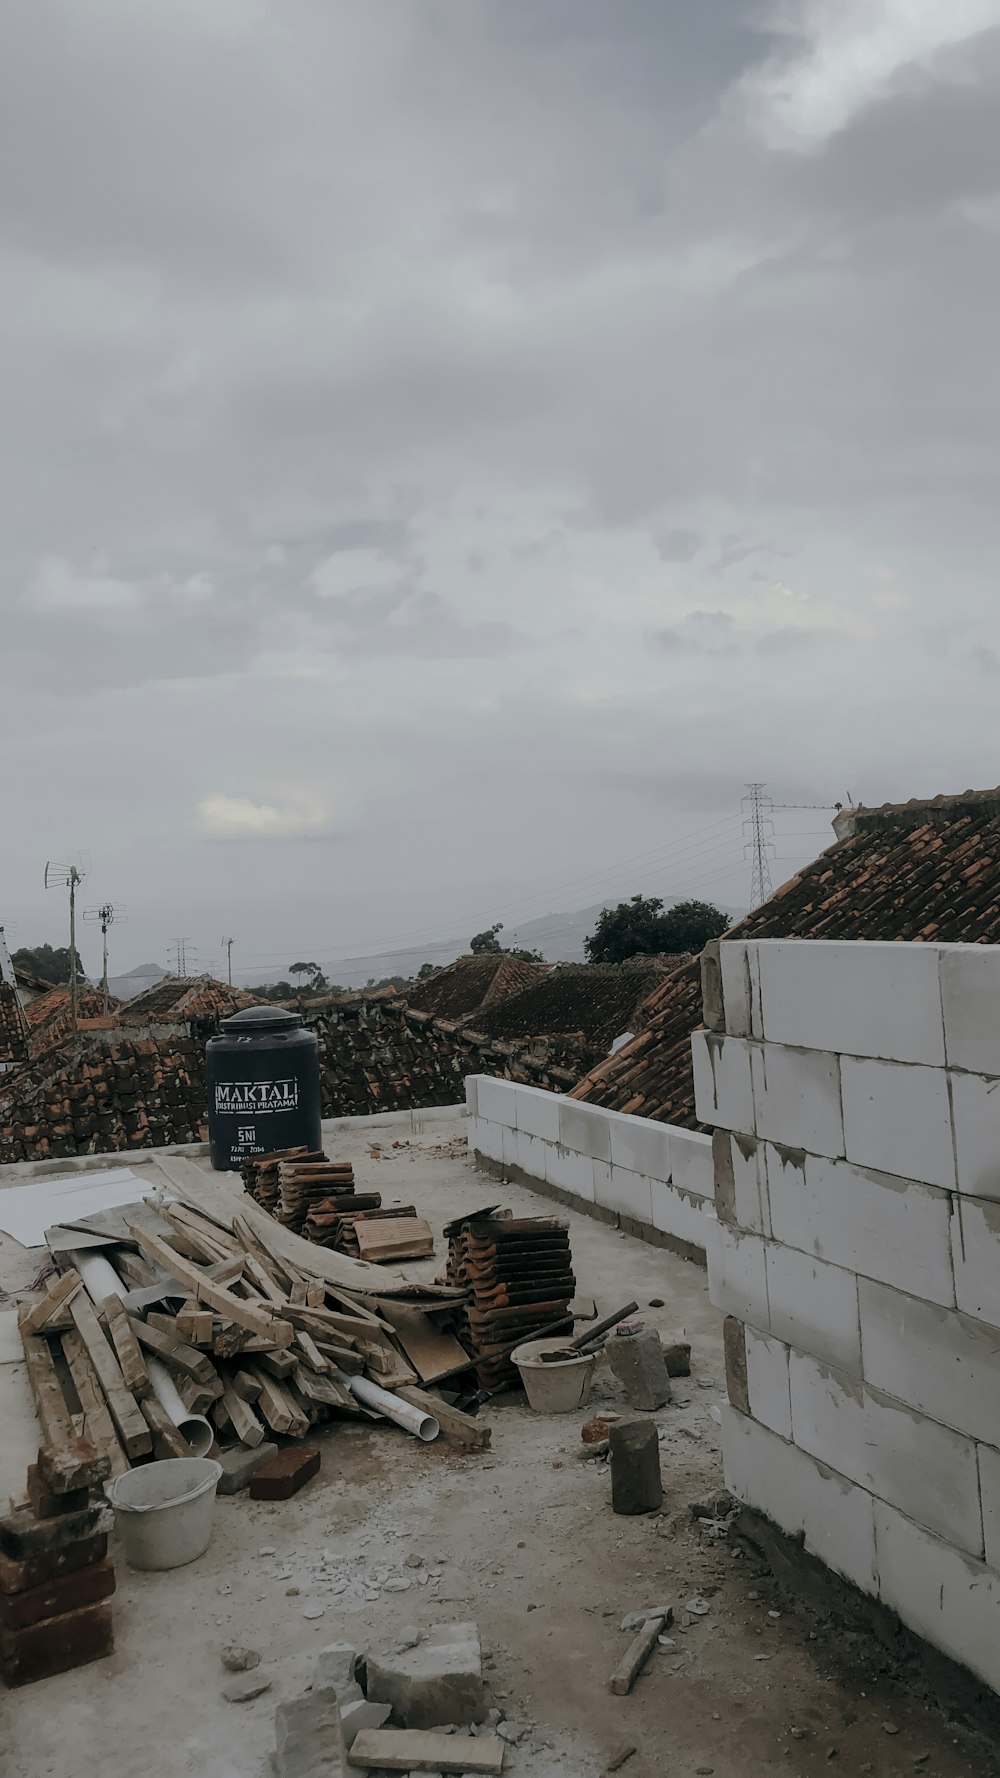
column 926, row 1470
column 970, row 996
column 739, row 1198
column 712, row 1008
column 975, row 1105
column 472, row 1132
column 537, row 1112
column 942, row 1363
column 336, row 1666
column 735, row 987
column 677, row 1213
column 898, row 1120
column 641, row 1146
column 722, row 1089
column 531, row 1154
column 570, row 1171
column 628, row 1193
column 814, row 1307
column 509, row 1137
column 586, row 1128
column 602, row 1182
column 886, row 1228
column 975, row 1245
column 796, row 1097
column 240, row 1464
column 989, row 1492
column 942, row 1594
column 472, row 1095
column 767, row 1383
column 496, row 1099
column 489, row 1139
column 438, row 1681
column 867, row 999
column 691, row 1162
column 807, row 1499
column 310, row 1740
column 737, row 1276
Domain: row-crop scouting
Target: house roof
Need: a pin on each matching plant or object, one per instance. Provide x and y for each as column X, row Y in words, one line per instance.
column 180, row 999
column 471, row 984
column 920, row 871
column 597, row 1000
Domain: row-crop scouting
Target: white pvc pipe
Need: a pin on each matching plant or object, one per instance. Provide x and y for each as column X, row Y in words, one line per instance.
column 98, row 1274
column 403, row 1413
column 194, row 1427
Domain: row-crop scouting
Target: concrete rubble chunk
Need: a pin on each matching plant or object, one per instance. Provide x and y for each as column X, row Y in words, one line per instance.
column 439, row 1681
column 240, row 1463
column 635, row 1467
column 240, row 1660
column 336, row 1670
column 246, row 1686
column 638, row 1362
column 310, row 1740
column 360, row 1713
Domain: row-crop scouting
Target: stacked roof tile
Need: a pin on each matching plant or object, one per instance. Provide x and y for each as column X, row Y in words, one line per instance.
column 919, row 871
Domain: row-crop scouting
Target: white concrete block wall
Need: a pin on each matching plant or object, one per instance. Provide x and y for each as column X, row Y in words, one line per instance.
column 654, row 1175
column 858, row 1195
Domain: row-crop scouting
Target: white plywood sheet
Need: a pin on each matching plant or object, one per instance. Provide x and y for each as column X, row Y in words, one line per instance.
column 26, row 1211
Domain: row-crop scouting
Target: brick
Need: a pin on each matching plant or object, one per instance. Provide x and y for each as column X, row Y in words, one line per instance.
column 630, row 1194
column 926, row 1470
column 44, row 1504
column 678, row 1214
column 536, row 1112
column 975, row 1250
column 897, row 1119
column 735, row 988
column 586, row 1129
column 33, row 1571
column 87, row 1586
column 283, row 1475
column 640, row 1146
column 814, row 1307
column 893, row 1230
column 239, row 1465
column 796, row 1097
column 22, row 1535
column 57, row 1644
column 722, row 1088
column 975, row 1104
column 942, row 1594
column 875, row 999
column 936, row 1360
column 807, row 1499
column 691, row 1167
column 737, row 1276
column 767, row 1383
column 970, row 997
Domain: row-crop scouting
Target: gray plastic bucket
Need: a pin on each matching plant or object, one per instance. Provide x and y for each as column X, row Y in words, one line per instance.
column 163, row 1511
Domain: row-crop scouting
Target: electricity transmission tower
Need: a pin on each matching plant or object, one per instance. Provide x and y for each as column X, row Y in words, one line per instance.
column 180, row 955
column 62, row 876
column 758, row 848
column 106, row 915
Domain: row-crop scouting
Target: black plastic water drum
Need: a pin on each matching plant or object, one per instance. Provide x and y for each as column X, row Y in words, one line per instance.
column 262, row 1073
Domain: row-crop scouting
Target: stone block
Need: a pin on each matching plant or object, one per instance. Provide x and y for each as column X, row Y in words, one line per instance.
column 586, row 1129
column 767, row 1383
column 735, row 988
column 239, row 1464
column 894, row 1230
column 310, row 1740
column 676, row 1213
column 737, row 1276
column 438, row 1681
column 975, row 1247
column 691, row 1168
column 634, row 1449
column 897, row 1119
column 924, row 1469
column 970, row 996
column 807, row 1499
column 722, row 1088
column 56, row 1644
column 940, row 1362
column 536, row 1112
column 796, row 1097
column 814, row 1307
column 496, row 1099
column 69, row 1592
column 942, row 1594
column 336, row 1667
column 570, row 1171
column 872, row 999
column 637, row 1361
column 975, row 1105
column 639, row 1145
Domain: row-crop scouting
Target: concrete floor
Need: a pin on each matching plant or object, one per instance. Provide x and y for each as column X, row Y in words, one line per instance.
column 528, row 1548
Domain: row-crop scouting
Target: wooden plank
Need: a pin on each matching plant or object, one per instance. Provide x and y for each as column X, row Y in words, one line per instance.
column 421, row 1750
column 174, row 1352
column 227, row 1272
column 310, row 1351
column 163, row 1323
column 432, row 1353
column 264, row 1281
column 133, row 1366
column 132, row 1428
column 98, row 1424
column 321, row 1391
column 255, row 1321
column 223, row 1244
column 272, row 1404
column 453, row 1423
column 394, row 1238
column 242, row 1418
column 187, row 1181
column 388, row 1367
column 54, row 1416
column 196, row 1326
column 630, row 1666
column 344, row 1357
column 245, row 1384
column 276, row 1364
column 56, row 1298
column 337, row 1268
column 167, row 1440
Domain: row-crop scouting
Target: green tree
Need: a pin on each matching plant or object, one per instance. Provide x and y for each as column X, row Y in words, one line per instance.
column 317, row 980
column 425, row 970
column 52, row 965
column 689, row 925
column 641, row 928
column 486, row 944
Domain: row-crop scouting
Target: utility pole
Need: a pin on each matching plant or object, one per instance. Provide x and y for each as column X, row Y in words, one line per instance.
column 59, row 876
column 106, row 916
column 229, row 943
column 758, row 848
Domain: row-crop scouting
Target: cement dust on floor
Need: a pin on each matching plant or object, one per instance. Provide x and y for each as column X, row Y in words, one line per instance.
column 527, row 1546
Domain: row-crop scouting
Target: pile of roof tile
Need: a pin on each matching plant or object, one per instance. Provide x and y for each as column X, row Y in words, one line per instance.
column 518, row 1273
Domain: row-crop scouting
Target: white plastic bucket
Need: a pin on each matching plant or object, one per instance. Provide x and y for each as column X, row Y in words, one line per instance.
column 553, row 1388
column 163, row 1511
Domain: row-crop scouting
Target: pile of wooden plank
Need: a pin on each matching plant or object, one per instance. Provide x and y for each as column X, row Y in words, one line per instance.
column 259, row 1331
column 518, row 1275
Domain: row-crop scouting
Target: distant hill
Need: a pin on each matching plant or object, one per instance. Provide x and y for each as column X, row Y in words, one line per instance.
column 136, row 981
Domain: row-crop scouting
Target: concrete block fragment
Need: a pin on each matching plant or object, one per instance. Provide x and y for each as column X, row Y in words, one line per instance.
column 536, row 1112
column 570, row 1171
column 926, row 1470
column 310, row 1741
column 691, row 1167
column 360, row 1713
column 942, row 1594
column 628, row 1193
column 586, row 1129
column 639, row 1145
column 240, row 1464
column 725, row 1182
column 975, row 1245
column 735, row 1346
column 496, row 1099
column 712, row 991
column 940, row 1362
column 975, row 1104
column 767, row 1383
column 638, row 1363
column 897, row 1119
column 814, row 1307
column 807, row 1499
column 869, row 999
column 970, row 996
column 336, row 1667
column 796, row 1096
column 737, row 1275
column 678, row 1214
column 722, row 1088
column 740, row 1184
column 735, row 987
column 636, row 1486
column 438, row 1681
column 894, row 1230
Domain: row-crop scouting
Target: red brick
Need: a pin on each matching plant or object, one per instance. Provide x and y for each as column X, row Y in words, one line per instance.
column 284, row 1475
column 44, row 1504
column 34, row 1571
column 87, row 1586
column 57, row 1644
column 74, row 1465
column 22, row 1535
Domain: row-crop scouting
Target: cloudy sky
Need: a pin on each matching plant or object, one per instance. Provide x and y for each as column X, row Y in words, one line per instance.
column 448, row 446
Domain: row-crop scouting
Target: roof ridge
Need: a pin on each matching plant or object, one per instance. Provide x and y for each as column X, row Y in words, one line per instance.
column 941, row 808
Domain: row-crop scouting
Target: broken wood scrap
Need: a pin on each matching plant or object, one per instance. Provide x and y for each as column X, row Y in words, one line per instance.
column 433, row 1353
column 99, row 1427
column 55, row 1300
column 167, row 1440
column 174, row 1353
column 254, row 1320
column 474, row 1434
column 241, row 1416
column 630, row 1666
column 132, row 1364
column 196, row 1326
column 54, row 1416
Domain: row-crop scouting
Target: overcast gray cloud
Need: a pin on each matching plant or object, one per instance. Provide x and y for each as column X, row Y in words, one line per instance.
column 448, row 446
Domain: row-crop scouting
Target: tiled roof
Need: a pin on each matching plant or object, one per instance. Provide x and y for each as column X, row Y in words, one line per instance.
column 924, row 871
column 179, row 1000
column 471, row 984
column 598, row 1000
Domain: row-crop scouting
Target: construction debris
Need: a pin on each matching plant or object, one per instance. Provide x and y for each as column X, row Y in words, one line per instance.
column 635, row 1467
column 636, row 1358
column 55, row 1578
column 518, row 1274
column 437, row 1680
column 627, row 1672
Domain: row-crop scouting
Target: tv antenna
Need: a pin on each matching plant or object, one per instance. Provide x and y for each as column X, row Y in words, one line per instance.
column 106, row 915
column 68, row 876
column 229, row 943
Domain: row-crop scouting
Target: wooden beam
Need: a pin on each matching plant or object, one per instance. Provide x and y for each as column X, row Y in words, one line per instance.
column 173, row 1351
column 167, row 1440
column 132, row 1428
column 54, row 1416
column 453, row 1423
column 98, row 1424
column 244, row 1421
column 133, row 1366
column 632, row 1662
column 56, row 1297
column 255, row 1321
